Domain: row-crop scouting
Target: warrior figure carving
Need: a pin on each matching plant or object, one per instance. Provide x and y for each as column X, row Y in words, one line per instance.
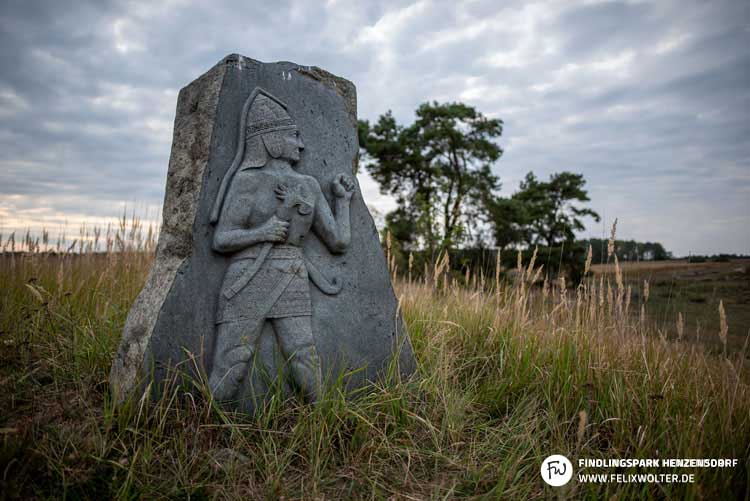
column 263, row 212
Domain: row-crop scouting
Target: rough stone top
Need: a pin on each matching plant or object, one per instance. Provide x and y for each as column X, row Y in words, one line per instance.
column 345, row 88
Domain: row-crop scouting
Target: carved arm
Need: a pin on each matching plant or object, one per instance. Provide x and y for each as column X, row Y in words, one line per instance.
column 335, row 230
column 228, row 240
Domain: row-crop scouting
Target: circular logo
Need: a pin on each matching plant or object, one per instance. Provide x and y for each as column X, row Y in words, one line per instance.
column 556, row 470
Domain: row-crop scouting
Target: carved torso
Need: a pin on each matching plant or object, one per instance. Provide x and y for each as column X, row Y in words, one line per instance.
column 297, row 206
column 261, row 194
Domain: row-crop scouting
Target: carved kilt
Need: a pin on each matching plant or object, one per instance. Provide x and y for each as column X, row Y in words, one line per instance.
column 279, row 286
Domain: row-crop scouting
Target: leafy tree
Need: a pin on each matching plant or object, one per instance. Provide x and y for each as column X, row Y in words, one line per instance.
column 507, row 217
column 437, row 168
column 550, row 211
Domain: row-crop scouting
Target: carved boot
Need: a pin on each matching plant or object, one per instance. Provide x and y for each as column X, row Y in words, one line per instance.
column 305, row 366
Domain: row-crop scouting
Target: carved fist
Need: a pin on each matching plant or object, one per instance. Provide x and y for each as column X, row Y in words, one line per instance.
column 274, row 230
column 342, row 186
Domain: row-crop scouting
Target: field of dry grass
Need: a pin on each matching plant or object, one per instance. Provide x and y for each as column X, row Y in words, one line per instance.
column 693, row 291
column 506, row 376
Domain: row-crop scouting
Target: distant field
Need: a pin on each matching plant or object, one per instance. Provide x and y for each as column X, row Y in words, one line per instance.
column 681, row 265
column 693, row 289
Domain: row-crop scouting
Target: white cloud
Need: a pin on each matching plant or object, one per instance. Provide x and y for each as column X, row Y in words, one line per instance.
column 392, row 24
column 11, row 102
column 478, row 89
column 530, row 43
column 124, row 38
column 672, row 42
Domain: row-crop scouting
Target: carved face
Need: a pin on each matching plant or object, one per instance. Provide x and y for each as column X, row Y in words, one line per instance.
column 292, row 145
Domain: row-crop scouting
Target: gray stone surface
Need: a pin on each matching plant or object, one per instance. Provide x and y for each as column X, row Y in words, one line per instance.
column 356, row 331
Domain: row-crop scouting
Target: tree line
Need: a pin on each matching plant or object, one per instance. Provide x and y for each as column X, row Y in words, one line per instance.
column 439, row 170
column 629, row 250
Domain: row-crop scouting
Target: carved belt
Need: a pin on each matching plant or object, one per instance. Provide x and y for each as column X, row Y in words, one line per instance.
column 330, row 287
column 244, row 279
column 277, row 252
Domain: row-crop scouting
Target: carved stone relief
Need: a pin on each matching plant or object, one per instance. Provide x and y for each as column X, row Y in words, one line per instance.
column 269, row 272
column 263, row 212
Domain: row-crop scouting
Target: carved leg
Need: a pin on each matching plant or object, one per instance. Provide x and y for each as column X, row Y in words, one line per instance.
column 295, row 338
column 234, row 348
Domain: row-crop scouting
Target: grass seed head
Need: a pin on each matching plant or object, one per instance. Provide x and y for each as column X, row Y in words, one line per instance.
column 723, row 326
column 611, row 242
column 531, row 263
column 618, row 275
column 519, row 264
column 582, row 421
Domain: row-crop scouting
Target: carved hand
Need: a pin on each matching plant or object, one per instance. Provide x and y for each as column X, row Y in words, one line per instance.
column 342, row 186
column 274, row 230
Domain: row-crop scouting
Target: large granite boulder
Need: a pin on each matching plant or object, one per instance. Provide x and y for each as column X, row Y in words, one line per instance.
column 268, row 271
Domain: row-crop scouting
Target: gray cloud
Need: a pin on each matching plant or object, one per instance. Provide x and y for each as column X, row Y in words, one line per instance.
column 648, row 100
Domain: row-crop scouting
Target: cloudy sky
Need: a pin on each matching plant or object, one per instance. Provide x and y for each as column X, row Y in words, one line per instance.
column 649, row 100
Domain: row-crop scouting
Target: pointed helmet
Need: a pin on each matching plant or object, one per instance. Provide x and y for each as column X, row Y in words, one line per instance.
column 261, row 114
column 267, row 114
